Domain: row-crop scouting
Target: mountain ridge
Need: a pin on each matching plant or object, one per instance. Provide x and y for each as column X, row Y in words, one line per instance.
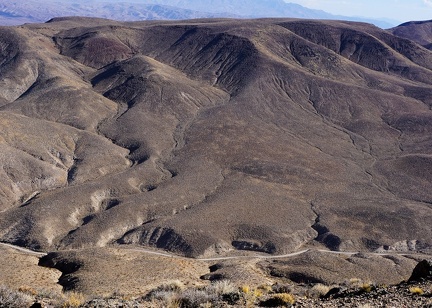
column 33, row 11
column 418, row 31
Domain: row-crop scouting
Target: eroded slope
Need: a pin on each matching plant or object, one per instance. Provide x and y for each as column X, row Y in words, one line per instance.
column 203, row 137
column 418, row 31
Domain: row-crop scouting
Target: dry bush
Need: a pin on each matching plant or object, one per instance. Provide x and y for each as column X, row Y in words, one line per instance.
column 360, row 285
column 194, row 298
column 319, row 290
column 172, row 286
column 11, row 298
column 165, row 296
column 27, row 290
column 366, row 287
column 258, row 293
column 221, row 287
column 250, row 295
column 169, row 300
column 165, row 291
column 73, row 299
column 416, row 290
column 265, row 288
column 281, row 288
column 245, row 289
column 279, row 300
column 217, row 294
column 353, row 283
column 225, row 291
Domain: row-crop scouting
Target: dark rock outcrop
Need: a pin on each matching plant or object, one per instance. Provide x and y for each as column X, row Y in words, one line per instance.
column 423, row 270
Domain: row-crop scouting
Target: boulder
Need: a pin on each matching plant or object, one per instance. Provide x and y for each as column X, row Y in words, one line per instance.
column 423, row 270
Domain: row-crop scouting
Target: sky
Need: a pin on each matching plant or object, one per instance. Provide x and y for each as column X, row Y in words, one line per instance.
column 398, row 10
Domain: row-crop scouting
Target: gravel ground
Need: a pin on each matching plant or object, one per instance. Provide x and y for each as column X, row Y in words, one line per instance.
column 402, row 295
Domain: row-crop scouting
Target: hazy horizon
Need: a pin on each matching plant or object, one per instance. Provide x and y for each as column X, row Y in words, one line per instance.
column 384, row 14
column 397, row 10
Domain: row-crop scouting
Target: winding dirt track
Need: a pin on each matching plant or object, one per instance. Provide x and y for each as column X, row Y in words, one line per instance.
column 25, row 250
column 165, row 254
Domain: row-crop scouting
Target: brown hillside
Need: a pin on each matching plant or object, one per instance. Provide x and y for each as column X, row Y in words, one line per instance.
column 207, row 137
column 417, row 31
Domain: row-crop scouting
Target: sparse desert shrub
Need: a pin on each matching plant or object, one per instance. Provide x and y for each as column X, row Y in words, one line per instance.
column 265, row 288
column 175, row 285
column 28, row 290
column 194, row 298
column 47, row 293
column 55, row 299
column 118, row 295
column 164, row 295
column 172, row 287
column 366, row 287
column 250, row 295
column 360, row 285
column 231, row 298
column 319, row 290
column 281, row 288
column 73, row 299
column 258, row 293
column 169, row 299
column 221, row 287
column 217, row 294
column 416, row 290
column 224, row 290
column 277, row 300
column 111, row 301
column 353, row 283
column 11, row 298
column 245, row 289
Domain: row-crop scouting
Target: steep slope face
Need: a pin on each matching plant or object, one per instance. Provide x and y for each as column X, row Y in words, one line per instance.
column 203, row 137
column 49, row 127
column 417, row 31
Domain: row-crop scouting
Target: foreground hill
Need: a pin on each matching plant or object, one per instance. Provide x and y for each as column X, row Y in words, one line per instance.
column 210, row 137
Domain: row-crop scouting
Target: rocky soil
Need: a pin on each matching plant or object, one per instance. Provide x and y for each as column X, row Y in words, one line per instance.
column 401, row 295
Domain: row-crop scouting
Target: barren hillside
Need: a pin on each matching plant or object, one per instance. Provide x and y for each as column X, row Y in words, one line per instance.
column 418, row 31
column 207, row 137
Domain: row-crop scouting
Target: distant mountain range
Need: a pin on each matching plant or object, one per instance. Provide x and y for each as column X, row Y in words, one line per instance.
column 15, row 13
